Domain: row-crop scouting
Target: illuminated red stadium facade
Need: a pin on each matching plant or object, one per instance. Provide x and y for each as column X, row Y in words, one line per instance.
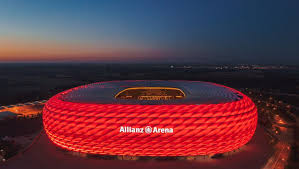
column 150, row 118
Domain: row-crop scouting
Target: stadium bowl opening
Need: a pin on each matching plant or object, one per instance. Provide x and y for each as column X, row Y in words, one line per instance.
column 150, row 118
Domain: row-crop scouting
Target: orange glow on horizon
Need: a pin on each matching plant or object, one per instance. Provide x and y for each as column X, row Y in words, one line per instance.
column 37, row 50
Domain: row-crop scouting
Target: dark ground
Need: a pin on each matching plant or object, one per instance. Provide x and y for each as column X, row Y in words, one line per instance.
column 27, row 82
column 22, row 83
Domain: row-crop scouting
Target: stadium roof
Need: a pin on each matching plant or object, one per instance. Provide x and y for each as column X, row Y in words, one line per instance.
column 196, row 92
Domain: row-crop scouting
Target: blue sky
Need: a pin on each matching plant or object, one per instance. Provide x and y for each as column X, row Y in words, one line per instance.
column 232, row 31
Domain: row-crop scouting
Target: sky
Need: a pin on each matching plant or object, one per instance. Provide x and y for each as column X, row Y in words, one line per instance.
column 199, row 31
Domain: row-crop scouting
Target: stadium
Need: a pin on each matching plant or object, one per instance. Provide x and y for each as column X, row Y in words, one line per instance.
column 150, row 118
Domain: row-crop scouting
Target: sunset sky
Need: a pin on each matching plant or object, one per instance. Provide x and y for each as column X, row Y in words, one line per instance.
column 232, row 31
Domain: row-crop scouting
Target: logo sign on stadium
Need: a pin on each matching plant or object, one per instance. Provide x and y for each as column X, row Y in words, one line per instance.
column 147, row 130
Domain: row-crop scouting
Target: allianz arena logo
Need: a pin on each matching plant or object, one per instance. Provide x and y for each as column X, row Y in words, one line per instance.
column 147, row 130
